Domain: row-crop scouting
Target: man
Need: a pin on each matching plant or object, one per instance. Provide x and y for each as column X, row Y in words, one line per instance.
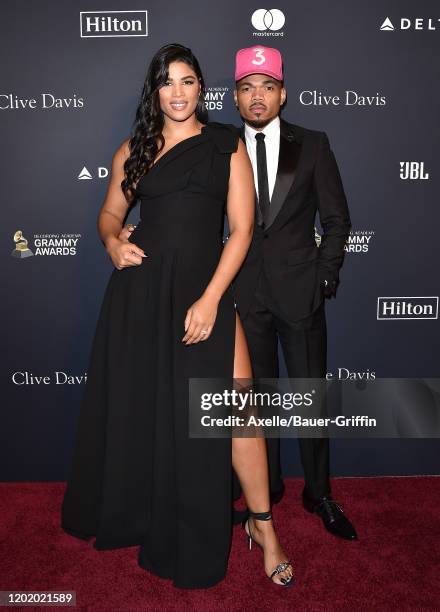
column 281, row 288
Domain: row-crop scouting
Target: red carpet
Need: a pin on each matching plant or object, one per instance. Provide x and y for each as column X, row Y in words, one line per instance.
column 395, row 565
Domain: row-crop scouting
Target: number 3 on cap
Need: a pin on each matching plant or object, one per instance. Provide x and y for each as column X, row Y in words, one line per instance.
column 261, row 59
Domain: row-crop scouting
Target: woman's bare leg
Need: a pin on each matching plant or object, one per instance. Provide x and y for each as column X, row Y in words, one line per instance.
column 249, row 458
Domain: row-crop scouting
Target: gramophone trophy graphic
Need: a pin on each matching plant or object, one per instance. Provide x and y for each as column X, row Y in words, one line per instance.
column 21, row 246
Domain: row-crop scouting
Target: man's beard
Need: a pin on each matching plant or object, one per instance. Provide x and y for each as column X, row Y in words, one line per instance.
column 258, row 123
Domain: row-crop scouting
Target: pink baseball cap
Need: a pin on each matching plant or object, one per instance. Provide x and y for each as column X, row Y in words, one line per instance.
column 259, row 60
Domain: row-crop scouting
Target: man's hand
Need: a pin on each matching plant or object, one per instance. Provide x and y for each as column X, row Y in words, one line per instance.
column 125, row 232
column 123, row 253
column 329, row 288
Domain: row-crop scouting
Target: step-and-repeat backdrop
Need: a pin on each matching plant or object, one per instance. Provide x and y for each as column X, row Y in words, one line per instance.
column 71, row 76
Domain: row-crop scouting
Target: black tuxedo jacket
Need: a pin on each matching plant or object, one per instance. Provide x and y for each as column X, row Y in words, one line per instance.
column 300, row 274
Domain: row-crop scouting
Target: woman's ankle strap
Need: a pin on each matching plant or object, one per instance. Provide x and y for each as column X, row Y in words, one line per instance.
column 261, row 516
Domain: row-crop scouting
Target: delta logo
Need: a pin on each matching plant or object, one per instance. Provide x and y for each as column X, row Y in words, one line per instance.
column 407, row 24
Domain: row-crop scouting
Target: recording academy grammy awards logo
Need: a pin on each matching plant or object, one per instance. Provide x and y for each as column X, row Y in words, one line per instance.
column 113, row 24
column 268, row 22
column 215, row 98
column 406, row 24
column 21, row 249
column 358, row 241
column 45, row 244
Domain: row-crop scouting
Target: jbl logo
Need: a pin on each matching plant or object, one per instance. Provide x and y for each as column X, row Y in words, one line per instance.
column 413, row 170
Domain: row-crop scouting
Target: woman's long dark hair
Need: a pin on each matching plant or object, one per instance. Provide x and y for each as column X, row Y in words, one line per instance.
column 149, row 121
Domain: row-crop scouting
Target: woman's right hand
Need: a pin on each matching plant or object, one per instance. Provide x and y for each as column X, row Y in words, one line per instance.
column 124, row 254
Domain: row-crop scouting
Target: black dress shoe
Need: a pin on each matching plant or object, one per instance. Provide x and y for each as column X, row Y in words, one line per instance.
column 332, row 516
column 238, row 516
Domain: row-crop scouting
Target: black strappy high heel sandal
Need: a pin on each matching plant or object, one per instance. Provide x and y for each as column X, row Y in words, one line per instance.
column 281, row 567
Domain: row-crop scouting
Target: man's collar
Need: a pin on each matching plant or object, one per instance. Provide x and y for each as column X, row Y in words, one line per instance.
column 288, row 131
column 269, row 130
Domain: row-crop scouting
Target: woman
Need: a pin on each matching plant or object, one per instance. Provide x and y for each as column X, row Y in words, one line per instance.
column 168, row 314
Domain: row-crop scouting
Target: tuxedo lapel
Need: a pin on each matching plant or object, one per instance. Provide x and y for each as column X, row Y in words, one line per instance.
column 289, row 155
column 290, row 149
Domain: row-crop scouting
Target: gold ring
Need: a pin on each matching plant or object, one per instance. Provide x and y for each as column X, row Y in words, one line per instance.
column 130, row 226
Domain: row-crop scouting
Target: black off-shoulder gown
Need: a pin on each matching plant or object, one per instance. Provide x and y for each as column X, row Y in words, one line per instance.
column 137, row 478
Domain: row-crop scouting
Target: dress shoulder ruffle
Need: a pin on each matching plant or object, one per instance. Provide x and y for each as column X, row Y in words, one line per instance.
column 225, row 136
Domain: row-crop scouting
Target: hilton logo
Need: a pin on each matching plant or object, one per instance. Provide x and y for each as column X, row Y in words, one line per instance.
column 104, row 24
column 392, row 308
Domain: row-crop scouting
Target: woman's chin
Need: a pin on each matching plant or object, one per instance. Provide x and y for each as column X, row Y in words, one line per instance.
column 180, row 116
